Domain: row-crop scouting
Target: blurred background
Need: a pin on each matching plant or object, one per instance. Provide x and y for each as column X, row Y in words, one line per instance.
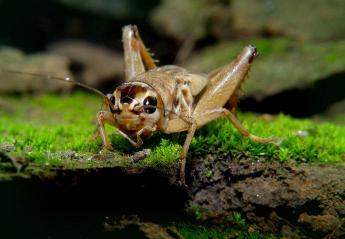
column 300, row 70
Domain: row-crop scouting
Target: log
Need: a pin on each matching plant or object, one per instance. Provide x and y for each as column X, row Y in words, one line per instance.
column 296, row 200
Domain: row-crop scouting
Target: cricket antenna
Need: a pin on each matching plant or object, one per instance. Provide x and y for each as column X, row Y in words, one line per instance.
column 66, row 79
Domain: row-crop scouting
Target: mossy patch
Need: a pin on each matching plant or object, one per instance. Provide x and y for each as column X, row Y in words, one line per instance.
column 57, row 130
column 38, row 127
column 237, row 227
column 301, row 140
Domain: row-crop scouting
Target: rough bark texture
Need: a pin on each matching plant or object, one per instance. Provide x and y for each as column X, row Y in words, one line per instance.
column 295, row 200
column 305, row 200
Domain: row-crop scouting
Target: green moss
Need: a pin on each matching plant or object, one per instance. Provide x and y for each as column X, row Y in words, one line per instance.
column 301, row 140
column 44, row 129
column 201, row 232
column 235, row 227
column 231, row 230
column 166, row 153
column 38, row 127
column 197, row 211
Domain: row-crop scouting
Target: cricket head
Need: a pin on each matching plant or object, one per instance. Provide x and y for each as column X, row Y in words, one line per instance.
column 135, row 105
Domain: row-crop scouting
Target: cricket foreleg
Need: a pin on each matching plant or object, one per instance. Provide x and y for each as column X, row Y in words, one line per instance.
column 128, row 138
column 140, row 132
column 104, row 117
column 135, row 144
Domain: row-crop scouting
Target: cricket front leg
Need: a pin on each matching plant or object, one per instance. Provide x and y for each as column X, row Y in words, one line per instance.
column 137, row 59
column 104, row 117
column 146, row 129
column 139, row 141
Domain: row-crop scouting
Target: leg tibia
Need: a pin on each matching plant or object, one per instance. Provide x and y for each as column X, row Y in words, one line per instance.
column 104, row 117
column 211, row 115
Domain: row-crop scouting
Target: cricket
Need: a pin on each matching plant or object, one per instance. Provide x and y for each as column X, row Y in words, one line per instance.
column 169, row 99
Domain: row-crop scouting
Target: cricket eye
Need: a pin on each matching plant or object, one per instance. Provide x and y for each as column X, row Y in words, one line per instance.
column 112, row 99
column 150, row 104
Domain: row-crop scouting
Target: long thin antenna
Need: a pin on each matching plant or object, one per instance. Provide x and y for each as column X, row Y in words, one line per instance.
column 67, row 79
column 59, row 78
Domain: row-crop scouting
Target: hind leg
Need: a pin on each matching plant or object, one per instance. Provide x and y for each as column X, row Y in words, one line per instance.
column 217, row 113
column 137, row 59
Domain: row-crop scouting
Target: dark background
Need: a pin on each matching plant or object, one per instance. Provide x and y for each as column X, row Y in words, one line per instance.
column 169, row 27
